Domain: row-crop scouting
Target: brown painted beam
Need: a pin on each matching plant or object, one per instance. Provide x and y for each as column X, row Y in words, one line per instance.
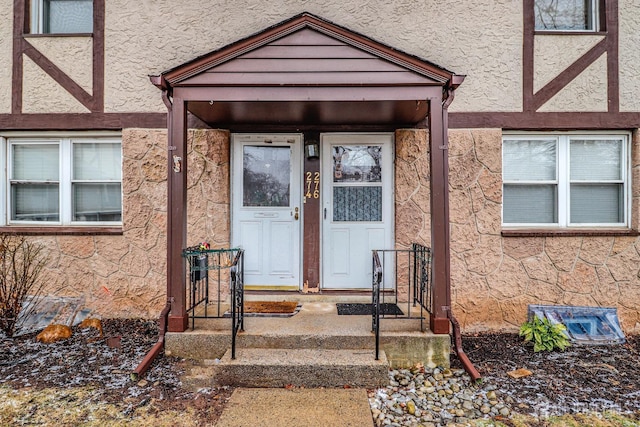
column 98, row 56
column 177, row 215
column 19, row 22
column 58, row 75
column 82, row 121
column 545, row 121
column 311, row 188
column 613, row 67
column 528, row 31
column 552, row 88
column 439, row 183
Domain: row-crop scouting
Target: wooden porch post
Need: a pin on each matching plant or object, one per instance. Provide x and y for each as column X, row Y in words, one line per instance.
column 177, row 215
column 438, row 148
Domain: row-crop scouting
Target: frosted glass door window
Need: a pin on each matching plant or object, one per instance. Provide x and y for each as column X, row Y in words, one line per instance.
column 266, row 176
column 357, row 177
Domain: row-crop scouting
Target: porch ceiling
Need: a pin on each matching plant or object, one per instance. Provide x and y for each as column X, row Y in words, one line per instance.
column 310, row 113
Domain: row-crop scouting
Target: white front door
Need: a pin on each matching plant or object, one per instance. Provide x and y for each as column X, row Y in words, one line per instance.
column 266, row 208
column 357, row 208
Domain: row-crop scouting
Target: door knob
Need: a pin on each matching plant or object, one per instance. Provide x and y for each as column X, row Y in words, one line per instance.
column 295, row 215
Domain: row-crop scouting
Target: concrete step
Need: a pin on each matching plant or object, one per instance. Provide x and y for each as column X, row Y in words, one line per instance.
column 275, row 368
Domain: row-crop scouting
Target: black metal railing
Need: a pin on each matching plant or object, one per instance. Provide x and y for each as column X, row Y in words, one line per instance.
column 217, row 269
column 402, row 278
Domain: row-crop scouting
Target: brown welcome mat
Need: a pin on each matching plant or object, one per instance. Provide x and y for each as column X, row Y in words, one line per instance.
column 357, row 309
column 269, row 308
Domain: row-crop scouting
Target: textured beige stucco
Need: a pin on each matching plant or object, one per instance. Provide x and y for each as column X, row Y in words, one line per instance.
column 629, row 54
column 42, row 94
column 554, row 53
column 139, row 44
column 6, row 54
column 494, row 278
column 73, row 55
column 125, row 275
column 584, row 93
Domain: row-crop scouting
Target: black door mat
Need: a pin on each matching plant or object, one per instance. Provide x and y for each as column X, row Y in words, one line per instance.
column 360, row 309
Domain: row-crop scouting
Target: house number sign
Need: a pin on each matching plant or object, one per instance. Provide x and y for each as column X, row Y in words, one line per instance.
column 312, row 181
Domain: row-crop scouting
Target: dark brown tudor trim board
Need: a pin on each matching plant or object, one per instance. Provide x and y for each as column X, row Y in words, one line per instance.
column 16, row 74
column 58, row 75
column 552, row 88
column 89, row 121
column 98, row 55
column 613, row 67
column 545, row 121
column 528, row 31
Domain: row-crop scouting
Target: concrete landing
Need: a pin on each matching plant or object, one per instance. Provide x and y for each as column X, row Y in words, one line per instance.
column 277, row 368
column 297, row 407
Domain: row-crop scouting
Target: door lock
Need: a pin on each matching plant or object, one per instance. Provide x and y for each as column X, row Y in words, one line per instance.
column 295, row 216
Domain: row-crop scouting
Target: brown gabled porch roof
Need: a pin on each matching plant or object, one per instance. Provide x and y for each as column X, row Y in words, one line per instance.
column 308, row 73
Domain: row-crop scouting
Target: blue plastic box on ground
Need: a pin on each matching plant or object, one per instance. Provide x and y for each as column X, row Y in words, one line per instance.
column 585, row 325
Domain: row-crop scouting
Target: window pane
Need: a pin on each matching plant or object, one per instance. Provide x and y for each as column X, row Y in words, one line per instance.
column 97, row 202
column 35, row 202
column 564, row 14
column 530, row 204
column 597, row 203
column 266, row 175
column 97, row 161
column 596, row 160
column 529, row 160
column 35, row 162
column 357, row 203
column 68, row 16
column 357, row 163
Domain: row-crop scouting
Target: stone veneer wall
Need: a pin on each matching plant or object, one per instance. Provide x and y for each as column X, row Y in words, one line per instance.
column 125, row 276
column 494, row 278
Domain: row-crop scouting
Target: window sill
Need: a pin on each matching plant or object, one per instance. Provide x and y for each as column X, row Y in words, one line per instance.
column 568, row 33
column 48, row 35
column 61, row 231
column 568, row 232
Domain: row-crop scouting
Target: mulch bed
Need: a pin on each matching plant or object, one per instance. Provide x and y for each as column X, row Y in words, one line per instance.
column 580, row 379
column 86, row 359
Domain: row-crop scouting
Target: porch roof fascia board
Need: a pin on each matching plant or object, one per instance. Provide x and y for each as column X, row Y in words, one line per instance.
column 176, row 75
column 297, row 93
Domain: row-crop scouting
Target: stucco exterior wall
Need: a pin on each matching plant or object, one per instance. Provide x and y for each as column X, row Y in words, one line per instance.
column 494, row 278
column 6, row 54
column 125, row 275
column 141, row 44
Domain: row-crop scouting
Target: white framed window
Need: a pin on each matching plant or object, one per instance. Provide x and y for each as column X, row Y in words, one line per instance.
column 567, row 15
column 63, row 181
column 61, row 16
column 566, row 180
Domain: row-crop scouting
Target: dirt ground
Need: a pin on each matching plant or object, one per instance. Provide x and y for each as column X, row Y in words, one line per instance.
column 84, row 381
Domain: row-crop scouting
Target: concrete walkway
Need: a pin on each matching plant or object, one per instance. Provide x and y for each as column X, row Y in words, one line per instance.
column 279, row 407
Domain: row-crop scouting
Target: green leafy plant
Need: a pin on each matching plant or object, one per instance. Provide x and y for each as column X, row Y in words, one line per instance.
column 545, row 335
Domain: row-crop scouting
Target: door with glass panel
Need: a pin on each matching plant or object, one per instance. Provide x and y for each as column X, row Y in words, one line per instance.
column 266, row 208
column 357, row 208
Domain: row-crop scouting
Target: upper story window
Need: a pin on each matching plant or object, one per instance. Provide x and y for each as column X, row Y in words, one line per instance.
column 63, row 181
column 61, row 16
column 567, row 15
column 568, row 180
